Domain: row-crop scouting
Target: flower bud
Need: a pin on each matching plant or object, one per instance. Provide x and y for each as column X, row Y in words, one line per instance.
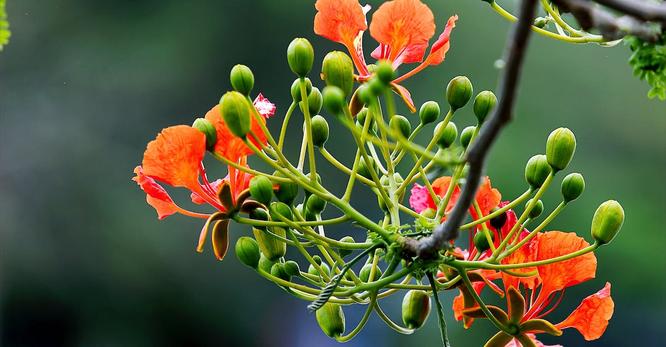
column 271, row 247
column 607, row 221
column 536, row 211
column 334, row 100
column 447, row 135
column 375, row 87
column 498, row 221
column 247, row 251
column 415, row 308
column 265, row 264
column 537, row 170
column 466, row 135
column 483, row 104
column 428, row 213
column 345, row 252
column 324, row 268
column 573, row 186
column 331, row 319
column 365, row 169
column 364, row 275
column 540, row 22
column 429, row 112
column 315, row 101
column 296, row 89
column 384, row 72
column 242, row 79
column 481, row 242
column 236, row 113
column 261, row 189
column 337, row 70
column 206, row 127
column 319, row 131
column 279, row 271
column 458, row 92
column 400, row 124
column 300, row 56
column 279, row 210
column 291, row 268
column 560, row 148
column 315, row 204
column 285, row 191
column 259, row 214
column 360, row 121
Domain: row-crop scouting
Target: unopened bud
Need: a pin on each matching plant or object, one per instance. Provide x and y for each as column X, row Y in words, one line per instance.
column 429, row 112
column 271, row 247
column 315, row 204
column 337, row 70
column 447, row 136
column 498, row 221
column 537, row 170
column 573, row 186
column 236, row 113
column 242, row 79
column 331, row 319
column 279, row 210
column 334, row 100
column 285, row 191
column 208, row 129
column 364, row 275
column 480, row 240
column 343, row 251
column 319, row 131
column 560, row 148
column 247, row 251
column 261, row 189
column 607, row 221
column 483, row 104
column 415, row 308
column 296, row 89
column 401, row 125
column 315, row 101
column 458, row 92
column 466, row 135
column 384, row 71
column 537, row 210
column 300, row 56
column 291, row 268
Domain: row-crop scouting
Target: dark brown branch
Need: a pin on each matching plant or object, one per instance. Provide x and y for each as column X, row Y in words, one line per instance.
column 476, row 157
column 640, row 9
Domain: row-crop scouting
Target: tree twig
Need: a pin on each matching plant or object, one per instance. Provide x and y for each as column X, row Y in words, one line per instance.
column 643, row 10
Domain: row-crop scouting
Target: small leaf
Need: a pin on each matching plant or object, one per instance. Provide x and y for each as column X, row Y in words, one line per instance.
column 540, row 326
column 220, row 238
column 516, row 305
column 250, row 205
column 242, row 196
column 225, row 196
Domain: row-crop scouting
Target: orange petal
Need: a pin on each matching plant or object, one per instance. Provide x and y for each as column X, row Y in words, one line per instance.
column 156, row 195
column 174, row 156
column 591, row 317
column 339, row 20
column 401, row 24
column 441, row 46
column 404, row 95
column 524, row 254
column 487, row 197
column 558, row 276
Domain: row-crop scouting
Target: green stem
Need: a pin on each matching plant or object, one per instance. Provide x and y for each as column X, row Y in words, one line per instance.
column 440, row 311
column 285, row 124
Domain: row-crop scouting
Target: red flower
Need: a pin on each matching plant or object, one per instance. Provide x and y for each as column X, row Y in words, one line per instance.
column 487, row 197
column 403, row 29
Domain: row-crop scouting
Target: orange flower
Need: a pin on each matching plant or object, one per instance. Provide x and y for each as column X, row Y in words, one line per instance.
column 487, row 197
column 591, row 317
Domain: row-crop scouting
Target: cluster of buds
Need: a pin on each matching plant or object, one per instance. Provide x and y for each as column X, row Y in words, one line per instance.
column 289, row 208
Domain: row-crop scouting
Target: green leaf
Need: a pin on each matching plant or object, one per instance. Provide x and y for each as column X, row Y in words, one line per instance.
column 648, row 63
column 4, row 26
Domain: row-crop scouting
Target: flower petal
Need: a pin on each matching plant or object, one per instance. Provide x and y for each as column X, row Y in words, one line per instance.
column 264, row 106
column 339, row 20
column 156, row 195
column 197, row 199
column 419, row 199
column 558, row 276
column 174, row 156
column 441, row 46
column 404, row 95
column 591, row 317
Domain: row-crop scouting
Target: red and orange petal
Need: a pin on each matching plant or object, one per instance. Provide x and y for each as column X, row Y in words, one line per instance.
column 156, row 195
column 174, row 157
column 524, row 254
column 339, row 20
column 197, row 199
column 557, row 276
column 441, row 46
column 229, row 145
column 401, row 24
column 591, row 317
column 487, row 197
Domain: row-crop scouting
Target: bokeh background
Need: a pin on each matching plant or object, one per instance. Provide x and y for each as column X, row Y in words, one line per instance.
column 84, row 85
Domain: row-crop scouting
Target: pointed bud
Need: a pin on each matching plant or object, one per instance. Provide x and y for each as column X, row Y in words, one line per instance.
column 285, row 191
column 446, row 136
column 400, row 124
column 261, row 189
column 364, row 275
column 483, row 104
column 607, row 221
column 324, row 268
column 540, row 22
column 537, row 210
column 242, row 79
column 291, row 268
column 206, row 127
column 236, row 113
column 480, row 240
column 315, row 101
column 343, row 251
column 271, row 247
column 537, row 170
column 315, row 204
column 415, row 308
column 498, row 221
column 384, row 72
column 429, row 112
column 300, row 56
column 458, row 92
column 337, row 70
column 560, row 148
column 319, row 131
column 279, row 271
column 365, row 169
column 334, row 100
column 466, row 135
column 296, row 89
column 265, row 264
column 573, row 186
column 247, row 251
column 331, row 319
column 279, row 210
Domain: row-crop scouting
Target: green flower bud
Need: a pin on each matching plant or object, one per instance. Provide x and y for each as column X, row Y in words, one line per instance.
column 560, row 148
column 481, row 242
column 466, row 135
column 364, row 94
column 384, row 72
column 536, row 210
column 317, row 259
column 537, row 170
column 236, row 113
column 280, row 209
column 271, row 247
column 375, row 87
column 324, row 267
column 458, row 92
column 429, row 112
column 319, row 131
column 365, row 169
column 337, row 70
column 285, row 191
column 360, row 121
column 380, row 201
column 540, row 22
column 345, row 252
column 291, row 268
column 607, row 221
column 573, row 186
column 315, row 101
column 400, row 124
column 331, row 319
column 265, row 264
column 315, row 204
column 334, row 100
column 296, row 89
column 242, row 79
column 247, row 251
column 428, row 213
column 364, row 275
column 415, row 308
column 259, row 214
column 483, row 104
column 300, row 56
column 261, row 189
column 206, row 127
column 447, row 135
column 499, row 221
column 279, row 271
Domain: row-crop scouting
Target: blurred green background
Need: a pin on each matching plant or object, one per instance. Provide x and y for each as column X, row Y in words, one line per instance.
column 84, row 85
